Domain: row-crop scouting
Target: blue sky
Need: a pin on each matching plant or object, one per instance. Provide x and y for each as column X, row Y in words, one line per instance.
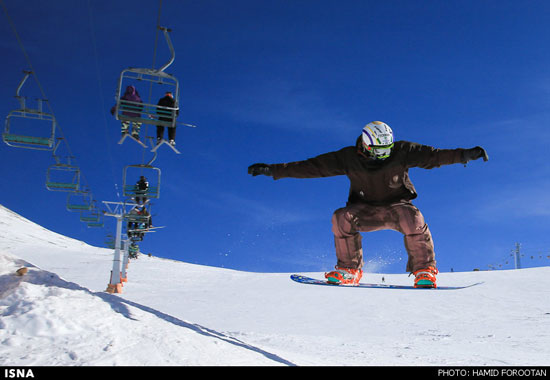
column 279, row 81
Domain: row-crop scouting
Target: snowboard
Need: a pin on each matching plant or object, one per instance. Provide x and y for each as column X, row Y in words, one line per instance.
column 312, row 281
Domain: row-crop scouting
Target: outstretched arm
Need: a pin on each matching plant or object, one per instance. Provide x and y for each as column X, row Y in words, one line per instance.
column 324, row 165
column 428, row 157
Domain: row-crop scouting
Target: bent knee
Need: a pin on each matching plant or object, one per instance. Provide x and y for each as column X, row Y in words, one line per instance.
column 343, row 221
column 412, row 221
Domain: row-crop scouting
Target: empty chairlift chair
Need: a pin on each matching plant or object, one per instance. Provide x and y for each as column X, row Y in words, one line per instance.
column 29, row 128
column 63, row 176
column 98, row 223
column 79, row 201
column 92, row 215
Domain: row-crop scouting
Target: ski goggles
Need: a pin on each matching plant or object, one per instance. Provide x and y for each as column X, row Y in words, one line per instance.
column 378, row 151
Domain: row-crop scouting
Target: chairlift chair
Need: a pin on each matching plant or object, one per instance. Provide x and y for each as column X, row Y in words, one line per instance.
column 131, row 175
column 79, row 201
column 63, row 177
column 137, row 223
column 92, row 215
column 27, row 127
column 91, row 218
column 149, row 113
column 95, row 219
column 98, row 224
column 137, row 218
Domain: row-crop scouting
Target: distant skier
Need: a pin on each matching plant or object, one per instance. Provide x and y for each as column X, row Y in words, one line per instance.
column 166, row 101
column 130, row 109
column 379, row 198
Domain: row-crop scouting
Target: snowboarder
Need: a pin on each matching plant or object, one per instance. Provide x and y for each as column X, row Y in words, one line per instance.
column 379, row 198
column 166, row 101
column 131, row 95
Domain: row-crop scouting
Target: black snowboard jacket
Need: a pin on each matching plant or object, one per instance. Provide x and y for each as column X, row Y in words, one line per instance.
column 377, row 182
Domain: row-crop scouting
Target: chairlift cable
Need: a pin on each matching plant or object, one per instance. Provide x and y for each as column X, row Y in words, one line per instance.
column 153, row 67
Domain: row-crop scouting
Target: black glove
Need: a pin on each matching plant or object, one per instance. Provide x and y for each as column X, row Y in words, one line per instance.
column 257, row 169
column 474, row 154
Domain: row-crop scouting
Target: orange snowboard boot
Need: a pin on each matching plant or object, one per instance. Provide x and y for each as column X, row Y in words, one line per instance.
column 344, row 276
column 425, row 278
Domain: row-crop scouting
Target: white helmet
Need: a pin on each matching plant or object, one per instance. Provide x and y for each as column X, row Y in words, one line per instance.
column 377, row 140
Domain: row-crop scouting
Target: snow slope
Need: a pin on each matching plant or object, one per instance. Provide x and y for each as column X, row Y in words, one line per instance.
column 174, row 313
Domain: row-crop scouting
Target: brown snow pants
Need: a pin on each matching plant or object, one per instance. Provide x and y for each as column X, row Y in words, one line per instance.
column 349, row 221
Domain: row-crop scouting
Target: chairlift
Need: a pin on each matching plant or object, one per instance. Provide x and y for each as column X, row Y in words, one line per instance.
column 93, row 215
column 138, row 218
column 146, row 113
column 27, row 127
column 62, row 176
column 79, row 201
column 131, row 175
column 94, row 219
column 97, row 224
column 138, row 222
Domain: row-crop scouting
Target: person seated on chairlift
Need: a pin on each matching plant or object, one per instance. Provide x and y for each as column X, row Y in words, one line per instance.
column 137, row 228
column 141, row 189
column 166, row 101
column 134, row 224
column 131, row 95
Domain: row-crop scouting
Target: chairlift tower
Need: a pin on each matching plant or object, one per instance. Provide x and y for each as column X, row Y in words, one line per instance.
column 517, row 254
column 118, row 210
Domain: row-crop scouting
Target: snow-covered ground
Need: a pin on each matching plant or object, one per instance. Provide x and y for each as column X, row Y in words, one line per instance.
column 174, row 313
